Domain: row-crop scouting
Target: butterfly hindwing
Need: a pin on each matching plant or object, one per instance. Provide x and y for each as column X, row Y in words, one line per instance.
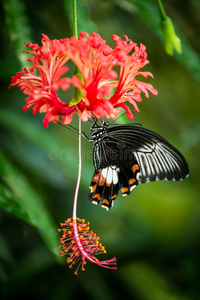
column 128, row 180
column 125, row 156
column 105, row 186
column 106, row 183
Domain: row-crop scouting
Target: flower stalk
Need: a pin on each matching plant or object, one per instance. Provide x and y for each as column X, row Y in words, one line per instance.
column 79, row 175
column 75, row 27
column 162, row 10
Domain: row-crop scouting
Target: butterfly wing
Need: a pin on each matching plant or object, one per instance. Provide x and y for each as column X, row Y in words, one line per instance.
column 156, row 157
column 128, row 155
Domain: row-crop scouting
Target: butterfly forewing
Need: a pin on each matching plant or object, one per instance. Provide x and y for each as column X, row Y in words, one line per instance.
column 156, row 157
column 127, row 155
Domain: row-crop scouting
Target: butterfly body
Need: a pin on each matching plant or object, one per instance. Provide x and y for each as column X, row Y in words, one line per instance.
column 125, row 156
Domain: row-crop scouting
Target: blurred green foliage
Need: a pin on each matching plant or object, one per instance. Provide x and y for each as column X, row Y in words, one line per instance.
column 154, row 233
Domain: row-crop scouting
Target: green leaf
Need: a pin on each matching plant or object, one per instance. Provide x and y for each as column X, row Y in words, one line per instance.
column 83, row 18
column 19, row 197
column 10, row 203
column 18, row 28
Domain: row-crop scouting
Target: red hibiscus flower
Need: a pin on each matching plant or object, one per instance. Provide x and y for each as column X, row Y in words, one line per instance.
column 99, row 90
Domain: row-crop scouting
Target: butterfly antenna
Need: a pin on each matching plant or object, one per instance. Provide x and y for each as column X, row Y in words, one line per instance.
column 94, row 117
column 117, row 118
column 94, row 122
column 136, row 124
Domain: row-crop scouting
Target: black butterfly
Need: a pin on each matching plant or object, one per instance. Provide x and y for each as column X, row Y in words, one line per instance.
column 125, row 156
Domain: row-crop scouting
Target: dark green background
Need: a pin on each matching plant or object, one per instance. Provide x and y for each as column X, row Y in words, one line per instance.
column 154, row 233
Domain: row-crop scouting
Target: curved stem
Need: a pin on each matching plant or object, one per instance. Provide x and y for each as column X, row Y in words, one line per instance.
column 162, row 11
column 79, row 174
column 79, row 139
column 76, row 235
column 104, row 264
column 75, row 228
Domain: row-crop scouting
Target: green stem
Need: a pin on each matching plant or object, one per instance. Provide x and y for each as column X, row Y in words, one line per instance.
column 75, row 18
column 75, row 27
column 162, row 10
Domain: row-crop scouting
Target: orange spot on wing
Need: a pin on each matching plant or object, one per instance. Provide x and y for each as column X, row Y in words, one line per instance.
column 102, row 180
column 124, row 190
column 132, row 180
column 96, row 176
column 135, row 168
column 97, row 196
column 106, row 202
column 114, row 196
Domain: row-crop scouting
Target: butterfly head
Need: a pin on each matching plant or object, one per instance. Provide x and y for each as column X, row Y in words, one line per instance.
column 105, row 124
